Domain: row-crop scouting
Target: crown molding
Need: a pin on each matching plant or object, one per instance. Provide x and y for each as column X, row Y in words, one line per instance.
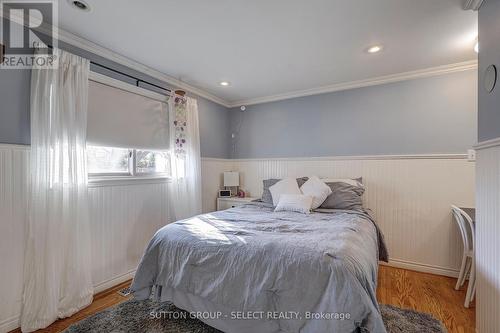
column 418, row 74
column 85, row 44
column 472, row 4
column 442, row 156
column 96, row 49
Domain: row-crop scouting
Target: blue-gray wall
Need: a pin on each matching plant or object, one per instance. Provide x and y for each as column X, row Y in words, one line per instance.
column 14, row 106
column 214, row 124
column 489, row 36
column 431, row 115
column 15, row 113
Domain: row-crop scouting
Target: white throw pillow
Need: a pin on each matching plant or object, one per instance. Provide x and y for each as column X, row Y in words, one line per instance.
column 317, row 189
column 299, row 203
column 284, row 186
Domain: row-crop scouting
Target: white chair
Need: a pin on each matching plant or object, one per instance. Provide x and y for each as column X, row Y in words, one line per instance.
column 467, row 232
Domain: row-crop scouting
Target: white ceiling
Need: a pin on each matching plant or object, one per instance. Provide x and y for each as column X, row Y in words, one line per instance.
column 266, row 47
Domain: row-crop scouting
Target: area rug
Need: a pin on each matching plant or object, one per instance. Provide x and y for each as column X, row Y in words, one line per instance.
column 148, row 316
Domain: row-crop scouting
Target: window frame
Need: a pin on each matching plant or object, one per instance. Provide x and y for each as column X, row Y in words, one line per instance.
column 132, row 174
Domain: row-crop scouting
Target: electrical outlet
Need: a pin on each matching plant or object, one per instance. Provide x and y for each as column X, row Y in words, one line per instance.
column 471, row 155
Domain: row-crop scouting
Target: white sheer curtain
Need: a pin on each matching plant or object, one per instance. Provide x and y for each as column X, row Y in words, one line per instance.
column 185, row 188
column 57, row 273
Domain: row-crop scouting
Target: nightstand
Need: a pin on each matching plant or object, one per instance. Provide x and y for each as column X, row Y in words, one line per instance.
column 226, row 203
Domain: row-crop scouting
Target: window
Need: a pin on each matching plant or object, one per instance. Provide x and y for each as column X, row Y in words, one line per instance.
column 151, row 162
column 121, row 116
column 107, row 160
column 110, row 161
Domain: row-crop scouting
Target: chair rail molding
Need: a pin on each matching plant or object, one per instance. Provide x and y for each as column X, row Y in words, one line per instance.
column 488, row 144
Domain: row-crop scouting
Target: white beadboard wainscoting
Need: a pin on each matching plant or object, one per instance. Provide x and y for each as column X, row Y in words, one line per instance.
column 14, row 162
column 488, row 237
column 123, row 220
column 409, row 195
column 212, row 180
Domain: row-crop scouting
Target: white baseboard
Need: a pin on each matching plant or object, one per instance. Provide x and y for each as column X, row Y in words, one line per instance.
column 414, row 266
column 113, row 282
column 10, row 324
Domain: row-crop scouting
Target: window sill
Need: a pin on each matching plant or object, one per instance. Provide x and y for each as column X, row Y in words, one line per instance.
column 126, row 180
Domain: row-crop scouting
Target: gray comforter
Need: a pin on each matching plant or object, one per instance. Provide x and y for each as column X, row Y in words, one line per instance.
column 250, row 258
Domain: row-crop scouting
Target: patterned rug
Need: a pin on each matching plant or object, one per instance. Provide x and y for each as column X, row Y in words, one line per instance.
column 138, row 316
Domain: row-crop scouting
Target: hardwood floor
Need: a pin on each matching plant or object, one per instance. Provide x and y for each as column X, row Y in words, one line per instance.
column 403, row 288
column 428, row 293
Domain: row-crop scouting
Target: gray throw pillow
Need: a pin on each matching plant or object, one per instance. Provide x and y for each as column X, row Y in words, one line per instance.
column 267, row 183
column 344, row 196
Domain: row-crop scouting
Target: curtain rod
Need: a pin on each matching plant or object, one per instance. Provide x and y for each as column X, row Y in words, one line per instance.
column 137, row 80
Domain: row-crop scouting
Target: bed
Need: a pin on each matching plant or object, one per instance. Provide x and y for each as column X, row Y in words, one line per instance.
column 249, row 269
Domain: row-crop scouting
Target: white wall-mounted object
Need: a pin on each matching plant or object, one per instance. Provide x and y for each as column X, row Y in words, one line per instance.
column 490, row 78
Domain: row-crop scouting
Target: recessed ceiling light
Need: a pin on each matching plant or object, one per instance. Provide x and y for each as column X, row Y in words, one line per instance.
column 476, row 47
column 79, row 4
column 374, row 49
column 224, row 83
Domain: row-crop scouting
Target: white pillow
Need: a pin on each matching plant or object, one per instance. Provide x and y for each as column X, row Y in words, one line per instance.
column 299, row 203
column 284, row 186
column 317, row 189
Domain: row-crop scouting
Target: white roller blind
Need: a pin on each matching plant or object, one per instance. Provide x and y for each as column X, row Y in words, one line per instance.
column 121, row 118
